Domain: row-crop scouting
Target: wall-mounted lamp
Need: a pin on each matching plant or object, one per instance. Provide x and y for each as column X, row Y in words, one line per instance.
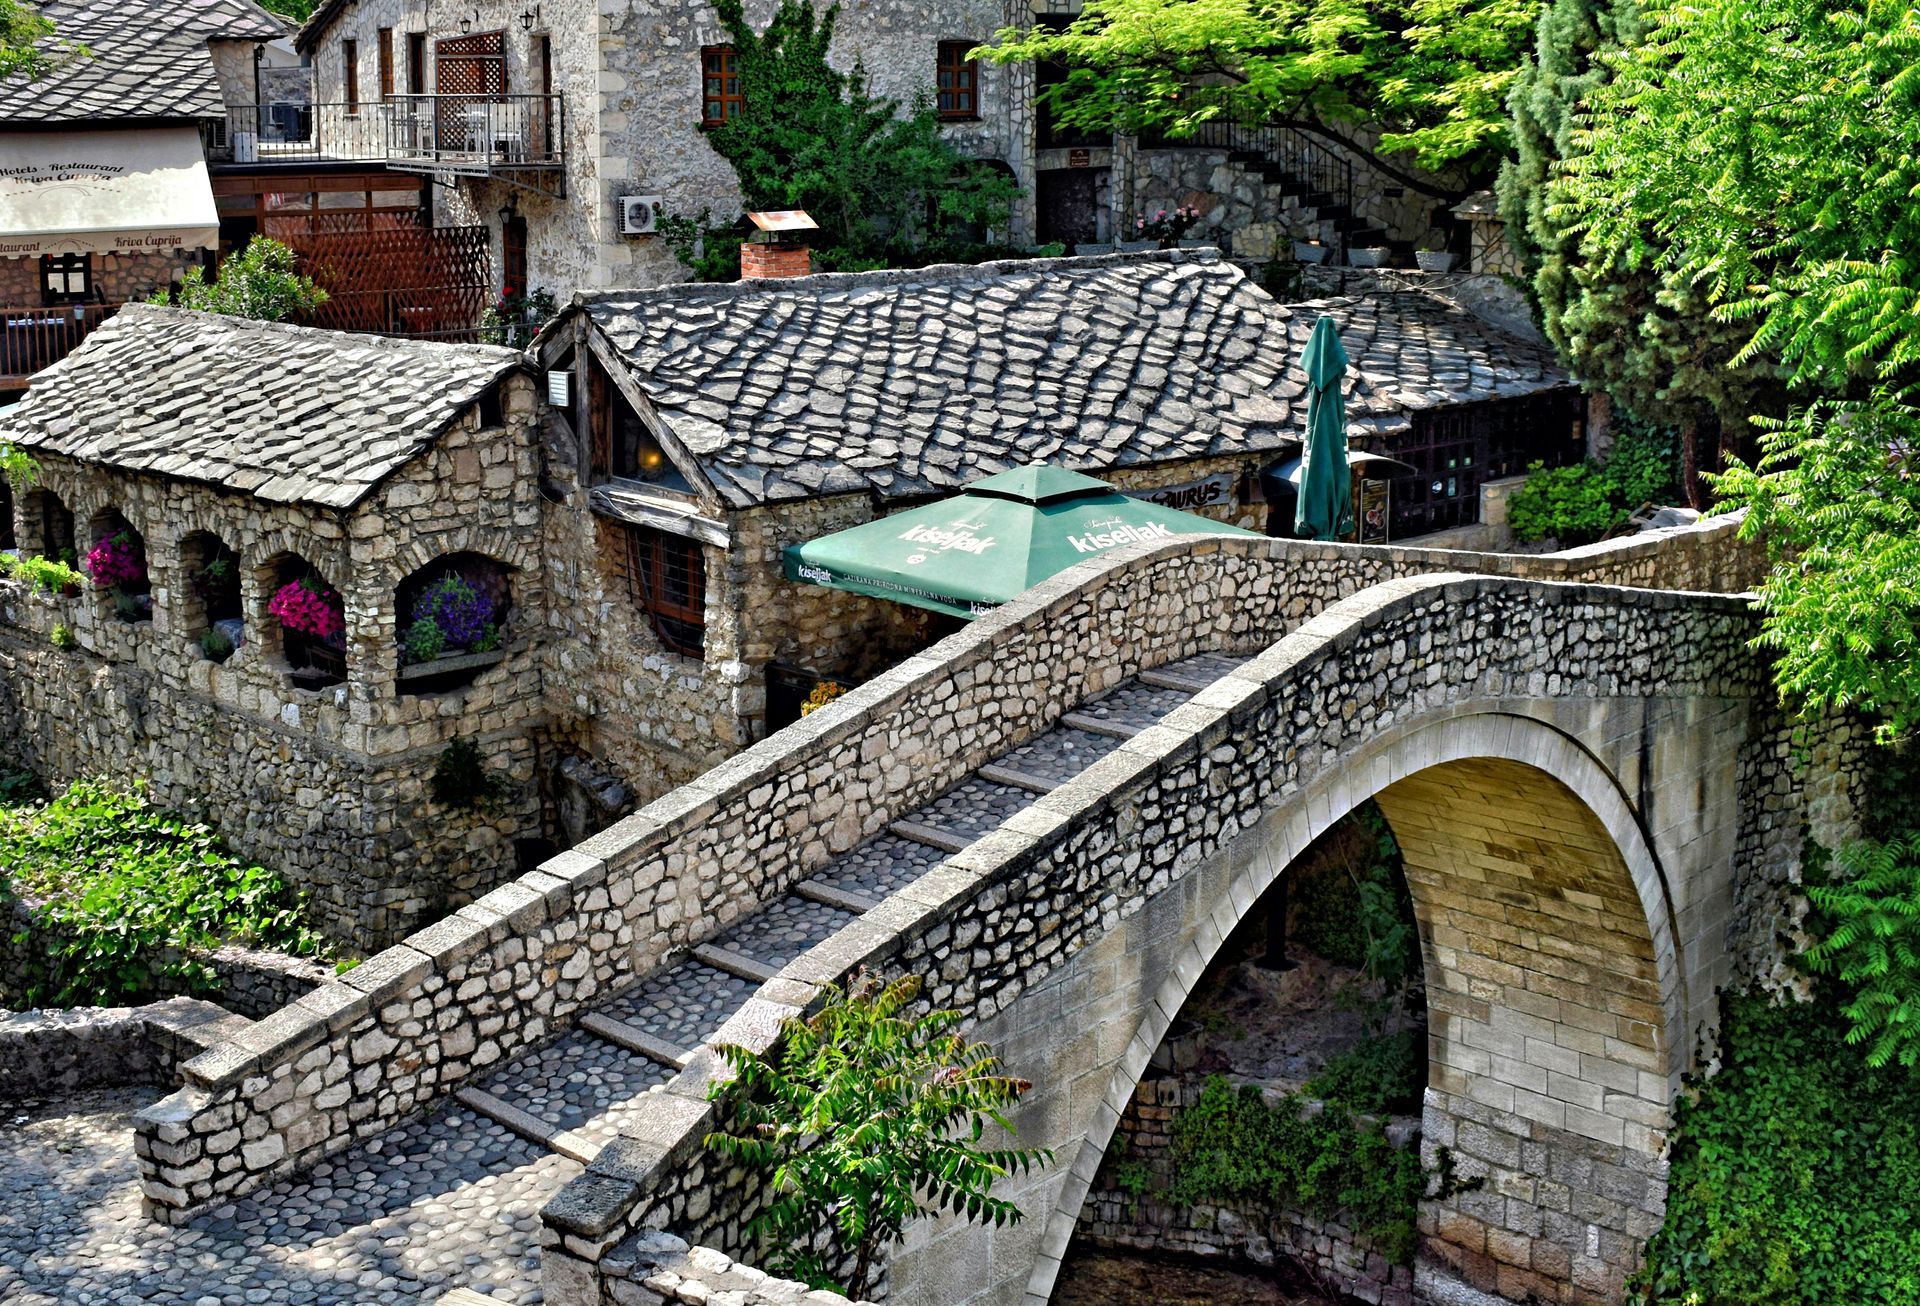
column 529, row 18
column 466, row 25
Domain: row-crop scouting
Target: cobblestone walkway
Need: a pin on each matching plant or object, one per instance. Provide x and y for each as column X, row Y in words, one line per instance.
column 445, row 1201
column 453, row 1200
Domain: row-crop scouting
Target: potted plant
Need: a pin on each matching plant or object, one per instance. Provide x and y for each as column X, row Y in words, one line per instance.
column 513, row 319
column 1165, row 229
column 1309, row 251
column 1367, row 256
column 452, row 629
column 118, row 564
column 313, row 615
column 1433, row 254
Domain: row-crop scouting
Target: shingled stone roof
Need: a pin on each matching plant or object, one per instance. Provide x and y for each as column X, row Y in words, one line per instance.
column 284, row 413
column 148, row 59
column 918, row 381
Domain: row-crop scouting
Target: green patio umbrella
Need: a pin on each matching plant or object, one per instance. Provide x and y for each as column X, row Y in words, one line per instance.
column 1325, row 511
column 968, row 554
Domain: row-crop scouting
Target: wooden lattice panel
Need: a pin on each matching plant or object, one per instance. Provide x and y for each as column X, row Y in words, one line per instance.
column 405, row 279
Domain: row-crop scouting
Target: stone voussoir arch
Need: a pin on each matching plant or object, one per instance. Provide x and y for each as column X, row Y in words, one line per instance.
column 1472, row 732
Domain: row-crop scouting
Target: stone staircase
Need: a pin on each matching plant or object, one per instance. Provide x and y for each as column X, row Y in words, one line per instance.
column 572, row 1095
column 1288, row 203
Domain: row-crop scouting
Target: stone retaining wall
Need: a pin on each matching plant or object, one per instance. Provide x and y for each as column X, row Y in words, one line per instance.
column 50, row 1053
column 514, row 969
column 661, row 1268
column 1093, row 852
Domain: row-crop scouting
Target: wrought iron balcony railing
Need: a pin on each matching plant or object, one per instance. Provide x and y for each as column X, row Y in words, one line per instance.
column 32, row 339
column 466, row 134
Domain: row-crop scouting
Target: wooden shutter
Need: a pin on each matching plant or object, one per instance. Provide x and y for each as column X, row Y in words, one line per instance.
column 384, row 53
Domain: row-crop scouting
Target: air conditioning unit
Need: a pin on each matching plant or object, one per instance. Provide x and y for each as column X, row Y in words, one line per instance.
column 639, row 214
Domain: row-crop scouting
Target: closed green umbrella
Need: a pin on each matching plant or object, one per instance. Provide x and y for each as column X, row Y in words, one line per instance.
column 1325, row 511
column 968, row 554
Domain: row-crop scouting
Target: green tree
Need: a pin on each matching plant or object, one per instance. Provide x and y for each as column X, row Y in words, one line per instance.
column 868, row 1116
column 29, row 49
column 1433, row 74
column 298, row 10
column 1873, row 945
column 262, row 281
column 878, row 181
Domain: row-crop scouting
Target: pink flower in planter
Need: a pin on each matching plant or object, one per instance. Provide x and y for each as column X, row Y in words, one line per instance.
column 309, row 607
column 117, row 562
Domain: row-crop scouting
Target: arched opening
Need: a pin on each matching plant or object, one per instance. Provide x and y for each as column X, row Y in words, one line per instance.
column 117, row 561
column 307, row 622
column 1555, row 1002
column 452, row 620
column 213, row 614
column 46, row 527
column 9, row 540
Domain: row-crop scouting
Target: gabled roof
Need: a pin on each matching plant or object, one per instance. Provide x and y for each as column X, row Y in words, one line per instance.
column 284, row 413
column 918, row 381
column 148, row 59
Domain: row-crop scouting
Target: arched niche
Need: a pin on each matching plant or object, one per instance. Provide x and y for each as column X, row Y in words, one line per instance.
column 452, row 620
column 212, row 611
column 304, row 626
column 116, row 560
column 46, row 527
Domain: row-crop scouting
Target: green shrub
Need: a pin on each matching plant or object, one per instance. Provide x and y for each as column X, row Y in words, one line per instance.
column 1231, row 1146
column 62, row 636
column 127, row 893
column 1351, row 903
column 461, row 779
column 49, row 575
column 1386, row 1073
column 1868, row 928
column 1795, row 1171
column 1582, row 503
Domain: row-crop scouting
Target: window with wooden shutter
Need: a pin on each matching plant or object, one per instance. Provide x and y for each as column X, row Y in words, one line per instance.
column 350, row 73
column 383, row 52
column 416, row 63
column 668, row 576
column 720, row 97
column 957, row 83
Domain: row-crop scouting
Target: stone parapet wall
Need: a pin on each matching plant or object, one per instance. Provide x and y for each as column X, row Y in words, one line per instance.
column 1152, row 1222
column 517, row 967
column 660, row 1268
column 49, row 1053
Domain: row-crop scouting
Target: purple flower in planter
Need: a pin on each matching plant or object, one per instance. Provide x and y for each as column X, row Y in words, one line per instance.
column 461, row 611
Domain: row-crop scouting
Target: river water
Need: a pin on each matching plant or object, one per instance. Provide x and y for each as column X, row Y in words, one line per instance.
column 1092, row 1277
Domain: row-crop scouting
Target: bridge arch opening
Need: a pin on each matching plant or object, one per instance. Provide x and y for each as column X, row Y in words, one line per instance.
column 1553, row 994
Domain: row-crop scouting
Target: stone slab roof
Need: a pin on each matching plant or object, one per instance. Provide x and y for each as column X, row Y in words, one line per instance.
column 918, row 381
column 284, row 413
column 149, row 60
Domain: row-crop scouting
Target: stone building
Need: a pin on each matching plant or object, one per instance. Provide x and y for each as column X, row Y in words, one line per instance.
column 627, row 537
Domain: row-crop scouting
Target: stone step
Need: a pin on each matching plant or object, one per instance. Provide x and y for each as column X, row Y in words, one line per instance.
column 931, row 837
column 635, row 1039
column 967, row 811
column 1016, row 778
column 784, row 928
column 845, row 899
column 526, row 1125
column 1059, row 755
column 1169, row 678
column 580, row 1088
column 1095, row 726
column 1133, row 704
column 735, row 963
column 682, row 1004
column 878, row 867
column 465, row 1297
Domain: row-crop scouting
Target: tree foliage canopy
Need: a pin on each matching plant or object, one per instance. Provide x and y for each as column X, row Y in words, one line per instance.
column 29, row 50
column 867, row 1116
column 261, row 282
column 1434, row 74
column 810, row 137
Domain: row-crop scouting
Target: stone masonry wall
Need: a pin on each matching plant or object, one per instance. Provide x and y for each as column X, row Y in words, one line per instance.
column 1152, row 1222
column 327, row 786
column 515, row 968
column 49, row 1053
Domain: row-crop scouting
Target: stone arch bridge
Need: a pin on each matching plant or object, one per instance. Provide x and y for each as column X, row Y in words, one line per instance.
column 1059, row 815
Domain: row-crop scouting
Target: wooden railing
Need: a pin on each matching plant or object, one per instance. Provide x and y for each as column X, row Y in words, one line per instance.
column 32, row 339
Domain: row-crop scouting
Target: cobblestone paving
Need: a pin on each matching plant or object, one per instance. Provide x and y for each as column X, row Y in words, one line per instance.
column 880, row 866
column 447, row 1201
column 1207, row 666
column 1060, row 754
column 973, row 807
column 581, row 1083
column 1134, row 705
column 783, row 929
column 682, row 1004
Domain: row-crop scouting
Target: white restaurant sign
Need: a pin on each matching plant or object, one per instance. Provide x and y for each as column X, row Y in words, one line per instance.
column 105, row 192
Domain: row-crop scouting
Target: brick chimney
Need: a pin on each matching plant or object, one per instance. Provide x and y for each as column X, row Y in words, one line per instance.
column 778, row 248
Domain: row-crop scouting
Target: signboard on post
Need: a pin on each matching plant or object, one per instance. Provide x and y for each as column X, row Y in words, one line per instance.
column 1191, row 496
column 1374, row 514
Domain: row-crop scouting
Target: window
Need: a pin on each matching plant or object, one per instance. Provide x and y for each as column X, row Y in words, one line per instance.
column 720, row 97
column 384, row 53
column 668, row 576
column 622, row 445
column 416, row 63
column 958, row 84
column 66, row 278
column 350, row 73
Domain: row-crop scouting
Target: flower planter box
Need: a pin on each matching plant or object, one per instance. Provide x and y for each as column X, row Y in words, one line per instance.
column 452, row 662
column 1094, row 247
column 1367, row 258
column 1137, row 246
column 1434, row 260
column 1307, row 252
column 1194, row 244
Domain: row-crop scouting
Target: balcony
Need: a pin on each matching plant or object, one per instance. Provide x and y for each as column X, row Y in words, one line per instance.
column 518, row 138
column 32, row 339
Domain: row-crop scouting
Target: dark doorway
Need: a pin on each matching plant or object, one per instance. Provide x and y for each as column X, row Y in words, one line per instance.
column 513, row 255
column 1068, row 208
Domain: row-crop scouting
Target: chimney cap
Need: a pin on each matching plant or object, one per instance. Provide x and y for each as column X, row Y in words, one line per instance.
column 784, row 220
